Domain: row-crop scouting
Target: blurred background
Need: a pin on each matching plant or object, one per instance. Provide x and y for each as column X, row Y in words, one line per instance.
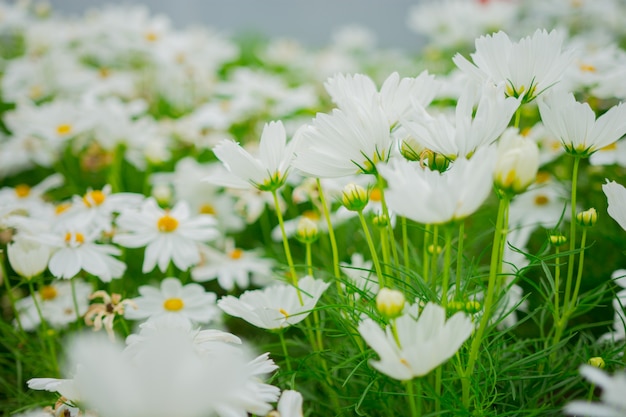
column 312, row 23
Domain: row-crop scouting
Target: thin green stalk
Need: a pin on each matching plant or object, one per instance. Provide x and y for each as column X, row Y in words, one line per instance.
column 7, row 284
column 75, row 301
column 581, row 261
column 292, row 268
column 557, row 285
column 44, row 325
column 518, row 116
column 285, row 351
column 435, row 257
column 405, row 243
column 438, row 375
column 385, row 249
column 331, row 236
column 446, row 266
column 459, row 259
column 572, row 234
column 496, row 261
column 308, row 260
column 370, row 244
column 414, row 397
column 426, row 255
column 391, row 235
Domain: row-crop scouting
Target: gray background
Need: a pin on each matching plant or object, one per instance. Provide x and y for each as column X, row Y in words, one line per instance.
column 310, row 22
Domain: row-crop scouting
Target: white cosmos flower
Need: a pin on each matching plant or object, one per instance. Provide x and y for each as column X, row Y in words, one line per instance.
column 165, row 371
column 528, row 67
column 431, row 197
column 576, row 126
column 616, row 197
column 28, row 258
column 169, row 235
column 613, row 402
column 76, row 250
column 344, row 142
column 423, row 344
column 395, row 96
column 232, row 266
column 266, row 172
column 481, row 115
column 187, row 303
column 277, row 306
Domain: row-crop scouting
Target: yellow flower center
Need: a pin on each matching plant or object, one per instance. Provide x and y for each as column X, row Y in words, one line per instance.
column 587, row 68
column 207, row 209
column 284, row 313
column 376, row 194
column 48, row 292
column 311, row 215
column 542, row 177
column 104, row 72
column 61, row 208
column 64, row 129
column 22, row 190
column 167, row 224
column 151, row 36
column 541, row 200
column 235, row 254
column 94, row 198
column 173, row 304
column 74, row 237
column 525, row 131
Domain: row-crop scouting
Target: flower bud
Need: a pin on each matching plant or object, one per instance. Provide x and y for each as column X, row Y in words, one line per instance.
column 163, row 194
column 517, row 163
column 435, row 161
column 380, row 220
column 390, row 303
column 411, row 149
column 558, row 240
column 596, row 361
column 28, row 259
column 307, row 230
column 587, row 218
column 354, row 197
column 472, row 306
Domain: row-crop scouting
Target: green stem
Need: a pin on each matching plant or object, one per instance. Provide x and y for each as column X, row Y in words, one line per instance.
column 446, row 266
column 414, row 397
column 292, row 268
column 392, row 240
column 370, row 243
column 581, row 260
column 438, row 373
column 44, row 325
column 435, row 257
column 331, row 236
column 518, row 116
column 7, row 284
column 496, row 261
column 405, row 243
column 572, row 235
column 426, row 255
column 459, row 259
column 308, row 261
column 385, row 249
column 285, row 351
column 75, row 301
column 557, row 285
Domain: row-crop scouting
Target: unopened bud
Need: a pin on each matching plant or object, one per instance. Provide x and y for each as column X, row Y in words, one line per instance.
column 380, row 220
column 390, row 303
column 587, row 218
column 435, row 161
column 354, row 197
column 472, row 306
column 307, row 230
column 596, row 361
column 558, row 240
column 434, row 249
column 411, row 149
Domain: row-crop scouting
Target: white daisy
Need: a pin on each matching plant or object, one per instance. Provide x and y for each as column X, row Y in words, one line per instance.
column 419, row 344
column 169, row 235
column 613, row 402
column 277, row 306
column 189, row 303
column 232, row 267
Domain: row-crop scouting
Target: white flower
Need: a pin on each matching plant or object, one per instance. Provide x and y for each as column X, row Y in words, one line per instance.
column 266, row 172
column 277, row 306
column 290, row 404
column 576, row 126
column 528, row 67
column 77, row 250
column 423, row 344
column 430, row 197
column 344, row 142
column 28, row 258
column 616, row 197
column 613, row 402
column 164, row 371
column 56, row 303
column 169, row 235
column 232, row 266
column 517, row 162
column 188, row 303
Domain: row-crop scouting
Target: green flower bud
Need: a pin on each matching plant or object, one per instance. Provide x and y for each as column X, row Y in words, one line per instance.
column 596, row 361
column 390, row 303
column 587, row 218
column 307, row 230
column 354, row 197
column 558, row 240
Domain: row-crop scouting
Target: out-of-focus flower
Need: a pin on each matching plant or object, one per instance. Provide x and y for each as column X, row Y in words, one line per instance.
column 517, row 163
column 423, row 343
column 576, row 126
column 528, row 67
column 187, row 303
column 616, row 197
column 103, row 314
column 169, row 235
column 277, row 306
column 612, row 404
column 28, row 258
column 390, row 303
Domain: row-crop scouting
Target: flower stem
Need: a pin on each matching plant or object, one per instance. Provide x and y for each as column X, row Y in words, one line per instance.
column 494, row 268
column 405, row 243
column 459, row 258
column 435, row 257
column 414, row 397
column 370, row 243
column 426, row 255
column 572, row 234
column 385, row 249
column 44, row 325
column 557, row 284
column 331, row 236
column 7, row 284
column 292, row 268
column 75, row 301
column 285, row 351
column 446, row 266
